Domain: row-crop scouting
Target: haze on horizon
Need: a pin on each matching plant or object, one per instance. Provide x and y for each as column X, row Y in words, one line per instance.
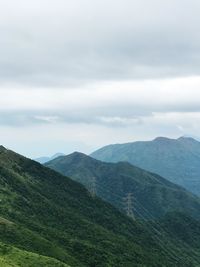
column 77, row 75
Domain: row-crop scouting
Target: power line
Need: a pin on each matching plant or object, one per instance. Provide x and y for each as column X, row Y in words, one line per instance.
column 156, row 222
column 155, row 234
column 129, row 199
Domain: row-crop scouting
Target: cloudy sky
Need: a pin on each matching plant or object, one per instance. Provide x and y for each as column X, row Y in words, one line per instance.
column 79, row 74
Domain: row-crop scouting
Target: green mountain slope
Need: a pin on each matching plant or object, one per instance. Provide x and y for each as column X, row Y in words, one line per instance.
column 47, row 214
column 14, row 257
column 178, row 160
column 114, row 181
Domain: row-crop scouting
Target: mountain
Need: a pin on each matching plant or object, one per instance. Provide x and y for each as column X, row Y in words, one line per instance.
column 43, row 160
column 178, row 160
column 47, row 219
column 115, row 181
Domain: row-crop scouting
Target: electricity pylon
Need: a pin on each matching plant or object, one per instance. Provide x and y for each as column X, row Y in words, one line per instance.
column 92, row 187
column 128, row 202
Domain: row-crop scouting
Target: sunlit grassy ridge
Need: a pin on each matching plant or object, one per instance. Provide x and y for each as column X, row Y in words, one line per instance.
column 14, row 257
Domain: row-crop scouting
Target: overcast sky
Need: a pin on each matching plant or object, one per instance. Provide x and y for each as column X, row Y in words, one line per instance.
column 80, row 74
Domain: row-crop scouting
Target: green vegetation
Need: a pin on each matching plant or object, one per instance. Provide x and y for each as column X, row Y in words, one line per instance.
column 47, row 218
column 13, row 257
column 175, row 159
column 113, row 181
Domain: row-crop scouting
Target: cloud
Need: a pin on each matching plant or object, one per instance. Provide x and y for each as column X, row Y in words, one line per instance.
column 109, row 103
column 68, row 43
column 90, row 73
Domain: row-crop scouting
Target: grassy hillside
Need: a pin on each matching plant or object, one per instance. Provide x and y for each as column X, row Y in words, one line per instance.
column 45, row 213
column 175, row 159
column 46, row 217
column 14, row 257
column 113, row 182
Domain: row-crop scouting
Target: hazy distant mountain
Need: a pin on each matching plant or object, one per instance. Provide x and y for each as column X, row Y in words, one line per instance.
column 113, row 182
column 197, row 138
column 43, row 160
column 175, row 159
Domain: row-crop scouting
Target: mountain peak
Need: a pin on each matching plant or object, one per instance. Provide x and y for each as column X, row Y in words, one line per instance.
column 79, row 156
column 162, row 139
column 73, row 157
column 187, row 138
column 77, row 153
column 182, row 138
column 2, row 148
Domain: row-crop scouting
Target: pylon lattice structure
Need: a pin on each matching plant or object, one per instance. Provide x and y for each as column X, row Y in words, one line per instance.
column 128, row 202
column 92, row 187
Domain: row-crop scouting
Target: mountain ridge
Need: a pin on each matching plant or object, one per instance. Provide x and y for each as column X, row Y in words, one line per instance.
column 113, row 181
column 175, row 159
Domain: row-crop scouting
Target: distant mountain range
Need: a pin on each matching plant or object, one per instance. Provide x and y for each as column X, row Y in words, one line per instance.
column 114, row 182
column 42, row 160
column 178, row 160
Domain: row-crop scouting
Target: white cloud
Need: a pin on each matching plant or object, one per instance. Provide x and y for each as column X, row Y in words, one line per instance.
column 97, row 72
column 102, row 113
column 63, row 43
column 113, row 98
